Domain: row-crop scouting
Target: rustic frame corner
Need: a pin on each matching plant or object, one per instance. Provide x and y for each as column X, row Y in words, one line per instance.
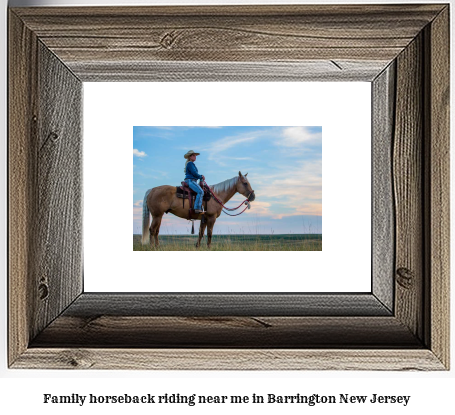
column 403, row 324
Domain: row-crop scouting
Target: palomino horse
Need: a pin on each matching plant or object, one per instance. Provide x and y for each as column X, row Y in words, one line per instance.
column 163, row 199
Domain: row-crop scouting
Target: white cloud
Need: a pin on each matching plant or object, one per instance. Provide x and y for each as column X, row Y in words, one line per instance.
column 296, row 136
column 225, row 143
column 138, row 153
column 298, row 190
column 260, row 208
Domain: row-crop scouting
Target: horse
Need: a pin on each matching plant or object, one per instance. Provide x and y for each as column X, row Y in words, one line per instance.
column 163, row 199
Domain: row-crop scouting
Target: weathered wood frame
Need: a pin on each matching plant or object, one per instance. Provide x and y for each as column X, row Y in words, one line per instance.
column 403, row 50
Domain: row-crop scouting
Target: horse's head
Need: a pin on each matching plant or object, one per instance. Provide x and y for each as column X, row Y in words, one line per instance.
column 244, row 187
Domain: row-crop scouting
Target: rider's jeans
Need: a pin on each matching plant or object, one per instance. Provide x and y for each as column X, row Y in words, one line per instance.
column 194, row 186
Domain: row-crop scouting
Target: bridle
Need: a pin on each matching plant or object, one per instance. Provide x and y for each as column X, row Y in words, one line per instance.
column 246, row 201
column 252, row 191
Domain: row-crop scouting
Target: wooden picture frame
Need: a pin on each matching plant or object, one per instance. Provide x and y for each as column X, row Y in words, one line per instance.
column 402, row 324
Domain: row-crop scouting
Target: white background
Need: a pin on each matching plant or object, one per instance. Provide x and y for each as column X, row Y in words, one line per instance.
column 341, row 108
column 22, row 391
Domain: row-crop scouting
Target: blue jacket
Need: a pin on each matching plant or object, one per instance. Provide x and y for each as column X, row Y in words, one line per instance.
column 191, row 171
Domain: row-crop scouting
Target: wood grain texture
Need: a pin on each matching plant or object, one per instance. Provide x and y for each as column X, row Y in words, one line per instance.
column 58, row 199
column 383, row 214
column 230, row 359
column 407, row 173
column 226, row 34
column 438, row 193
column 89, row 305
column 256, row 332
column 45, row 187
column 22, row 95
column 308, row 71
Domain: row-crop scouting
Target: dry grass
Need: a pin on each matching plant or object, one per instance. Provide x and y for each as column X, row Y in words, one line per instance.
column 291, row 242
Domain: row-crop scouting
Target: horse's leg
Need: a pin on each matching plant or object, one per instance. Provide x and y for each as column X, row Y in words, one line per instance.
column 210, row 223
column 155, row 229
column 201, row 233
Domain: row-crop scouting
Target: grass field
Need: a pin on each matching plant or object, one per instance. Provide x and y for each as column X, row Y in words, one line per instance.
column 291, row 242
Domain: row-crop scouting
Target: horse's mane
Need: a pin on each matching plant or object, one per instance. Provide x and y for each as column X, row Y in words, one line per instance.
column 225, row 186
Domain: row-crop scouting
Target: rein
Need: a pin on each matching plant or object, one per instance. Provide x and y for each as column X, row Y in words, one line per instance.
column 246, row 202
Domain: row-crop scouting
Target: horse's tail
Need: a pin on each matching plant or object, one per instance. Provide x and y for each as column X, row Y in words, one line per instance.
column 145, row 220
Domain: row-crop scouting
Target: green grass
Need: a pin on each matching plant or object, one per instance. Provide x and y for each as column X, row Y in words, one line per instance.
column 291, row 242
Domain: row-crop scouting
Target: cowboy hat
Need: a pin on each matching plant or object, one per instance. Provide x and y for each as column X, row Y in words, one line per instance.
column 190, row 153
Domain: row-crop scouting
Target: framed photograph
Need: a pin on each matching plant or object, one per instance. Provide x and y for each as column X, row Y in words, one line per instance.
column 288, row 162
column 400, row 322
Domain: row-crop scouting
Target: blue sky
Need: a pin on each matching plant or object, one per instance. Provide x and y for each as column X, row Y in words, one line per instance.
column 284, row 166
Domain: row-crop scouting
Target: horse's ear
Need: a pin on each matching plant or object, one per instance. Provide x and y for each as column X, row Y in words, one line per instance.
column 240, row 174
column 246, row 174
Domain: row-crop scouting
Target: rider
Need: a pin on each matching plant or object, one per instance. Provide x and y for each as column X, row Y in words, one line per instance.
column 191, row 177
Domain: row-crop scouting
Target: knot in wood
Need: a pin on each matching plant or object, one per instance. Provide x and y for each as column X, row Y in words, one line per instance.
column 405, row 278
column 43, row 291
column 53, row 136
column 76, row 359
column 168, row 40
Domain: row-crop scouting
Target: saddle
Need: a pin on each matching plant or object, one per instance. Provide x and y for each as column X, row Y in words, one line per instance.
column 184, row 192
